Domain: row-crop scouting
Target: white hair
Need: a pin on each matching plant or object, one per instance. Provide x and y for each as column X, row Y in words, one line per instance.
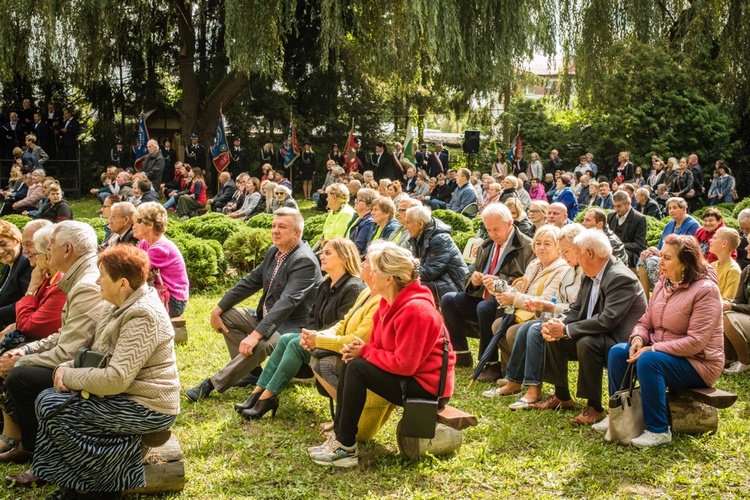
column 744, row 216
column 497, row 210
column 596, row 241
column 42, row 238
column 419, row 214
column 78, row 235
column 299, row 221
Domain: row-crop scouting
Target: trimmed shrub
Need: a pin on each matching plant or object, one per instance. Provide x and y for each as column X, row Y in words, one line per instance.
column 732, row 222
column 262, row 221
column 476, row 223
column 246, row 250
column 740, row 206
column 213, row 226
column 723, row 208
column 201, row 260
column 17, row 220
column 462, row 238
column 174, row 230
column 457, row 222
column 313, row 228
column 99, row 224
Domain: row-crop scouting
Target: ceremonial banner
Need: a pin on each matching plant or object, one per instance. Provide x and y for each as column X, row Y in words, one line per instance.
column 291, row 146
column 140, row 150
column 220, row 149
column 515, row 147
column 351, row 162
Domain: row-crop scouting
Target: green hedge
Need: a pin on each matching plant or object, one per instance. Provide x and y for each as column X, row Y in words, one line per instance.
column 739, row 207
column 462, row 238
column 456, row 221
column 213, row 226
column 99, row 224
column 203, row 259
column 313, row 228
column 245, row 250
column 19, row 221
column 262, row 221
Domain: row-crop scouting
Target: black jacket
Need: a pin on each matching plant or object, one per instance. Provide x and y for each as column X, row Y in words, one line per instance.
column 632, row 233
column 14, row 282
column 153, row 167
column 441, row 262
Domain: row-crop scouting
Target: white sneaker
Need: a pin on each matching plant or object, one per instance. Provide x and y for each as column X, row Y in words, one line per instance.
column 736, row 368
column 495, row 392
column 312, row 450
column 338, row 455
column 601, row 426
column 650, row 439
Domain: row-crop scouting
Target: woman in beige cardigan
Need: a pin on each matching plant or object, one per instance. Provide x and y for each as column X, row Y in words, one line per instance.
column 92, row 447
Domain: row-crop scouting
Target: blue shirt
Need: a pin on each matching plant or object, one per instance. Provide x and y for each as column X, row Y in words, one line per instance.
column 463, row 196
column 689, row 227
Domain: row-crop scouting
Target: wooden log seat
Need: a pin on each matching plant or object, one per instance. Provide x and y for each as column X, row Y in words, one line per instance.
column 448, row 436
column 694, row 411
column 165, row 470
column 180, row 330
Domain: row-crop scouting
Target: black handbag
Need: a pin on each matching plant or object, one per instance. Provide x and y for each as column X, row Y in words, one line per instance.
column 84, row 358
column 420, row 414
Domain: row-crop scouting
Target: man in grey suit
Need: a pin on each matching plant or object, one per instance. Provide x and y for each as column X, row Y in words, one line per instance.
column 629, row 226
column 226, row 192
column 288, row 276
column 610, row 302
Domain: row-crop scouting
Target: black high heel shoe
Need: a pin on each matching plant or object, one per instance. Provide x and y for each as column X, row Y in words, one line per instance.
column 262, row 407
column 249, row 402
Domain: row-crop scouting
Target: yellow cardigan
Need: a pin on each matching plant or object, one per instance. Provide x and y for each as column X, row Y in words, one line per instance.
column 356, row 323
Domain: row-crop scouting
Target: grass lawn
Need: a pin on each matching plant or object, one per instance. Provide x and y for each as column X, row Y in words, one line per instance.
column 510, row 454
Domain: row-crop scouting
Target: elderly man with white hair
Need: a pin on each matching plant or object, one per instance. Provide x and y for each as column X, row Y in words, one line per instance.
column 743, row 259
column 610, row 302
column 28, row 370
column 154, row 165
column 505, row 254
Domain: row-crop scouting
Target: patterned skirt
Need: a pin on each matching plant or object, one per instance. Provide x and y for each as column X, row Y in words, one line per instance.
column 328, row 368
column 93, row 444
column 652, row 268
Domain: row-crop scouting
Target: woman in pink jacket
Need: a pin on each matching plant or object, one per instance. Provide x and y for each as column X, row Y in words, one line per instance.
column 678, row 342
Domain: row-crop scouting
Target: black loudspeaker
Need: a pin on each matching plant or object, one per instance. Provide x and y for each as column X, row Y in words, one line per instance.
column 471, row 141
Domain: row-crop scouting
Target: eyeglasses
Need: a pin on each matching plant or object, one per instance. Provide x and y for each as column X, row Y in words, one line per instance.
column 280, row 193
column 140, row 221
column 535, row 211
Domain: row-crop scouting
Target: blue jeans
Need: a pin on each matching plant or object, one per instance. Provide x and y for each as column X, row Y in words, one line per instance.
column 171, row 202
column 437, row 204
column 656, row 371
column 526, row 363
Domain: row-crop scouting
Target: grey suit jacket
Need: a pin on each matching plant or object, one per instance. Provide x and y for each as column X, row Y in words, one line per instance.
column 288, row 298
column 620, row 305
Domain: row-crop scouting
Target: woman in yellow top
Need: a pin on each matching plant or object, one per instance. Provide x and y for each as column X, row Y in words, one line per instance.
column 325, row 346
column 340, row 213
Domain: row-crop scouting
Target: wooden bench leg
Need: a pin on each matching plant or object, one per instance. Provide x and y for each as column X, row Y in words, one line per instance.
column 180, row 330
column 446, row 440
column 165, row 470
column 692, row 417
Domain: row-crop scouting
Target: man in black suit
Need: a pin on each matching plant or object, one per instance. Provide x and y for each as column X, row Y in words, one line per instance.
column 236, row 158
column 438, row 161
column 69, row 130
column 505, row 254
column 226, row 192
column 120, row 223
column 195, row 154
column 118, row 156
column 26, row 115
column 52, row 116
column 645, row 205
column 289, row 277
column 153, row 167
column 610, row 302
column 421, row 157
column 45, row 136
column 382, row 163
column 629, row 226
column 13, row 134
column 170, row 158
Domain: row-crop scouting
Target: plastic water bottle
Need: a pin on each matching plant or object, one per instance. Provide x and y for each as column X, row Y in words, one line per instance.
column 546, row 316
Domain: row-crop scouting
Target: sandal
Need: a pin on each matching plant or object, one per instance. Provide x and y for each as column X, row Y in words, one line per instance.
column 10, row 443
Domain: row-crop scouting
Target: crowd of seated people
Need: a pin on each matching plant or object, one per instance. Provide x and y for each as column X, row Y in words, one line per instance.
column 370, row 312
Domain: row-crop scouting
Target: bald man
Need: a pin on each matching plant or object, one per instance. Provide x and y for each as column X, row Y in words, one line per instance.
column 153, row 167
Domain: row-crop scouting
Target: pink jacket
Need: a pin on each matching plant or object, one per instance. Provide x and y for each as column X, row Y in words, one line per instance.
column 538, row 193
column 688, row 324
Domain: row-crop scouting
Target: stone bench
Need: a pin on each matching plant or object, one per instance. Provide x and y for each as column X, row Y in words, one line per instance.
column 694, row 411
column 165, row 470
column 448, row 436
column 180, row 330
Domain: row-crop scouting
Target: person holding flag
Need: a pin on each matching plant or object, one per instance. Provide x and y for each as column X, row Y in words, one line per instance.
column 291, row 150
column 515, row 156
column 220, row 150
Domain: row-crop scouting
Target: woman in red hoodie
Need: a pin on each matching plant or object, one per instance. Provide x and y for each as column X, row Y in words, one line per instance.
column 406, row 344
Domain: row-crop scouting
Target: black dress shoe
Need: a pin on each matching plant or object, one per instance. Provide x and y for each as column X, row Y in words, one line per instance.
column 262, row 406
column 249, row 402
column 200, row 392
column 25, row 479
column 16, row 456
column 250, row 379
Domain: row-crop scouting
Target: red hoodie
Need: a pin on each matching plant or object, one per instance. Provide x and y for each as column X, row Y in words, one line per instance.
column 407, row 339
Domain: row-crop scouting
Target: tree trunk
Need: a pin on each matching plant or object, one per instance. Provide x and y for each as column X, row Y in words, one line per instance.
column 186, row 62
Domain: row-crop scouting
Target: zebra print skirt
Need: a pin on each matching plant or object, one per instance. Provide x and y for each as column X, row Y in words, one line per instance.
column 93, row 444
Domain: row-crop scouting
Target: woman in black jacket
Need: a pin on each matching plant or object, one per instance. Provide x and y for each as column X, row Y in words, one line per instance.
column 16, row 273
column 336, row 295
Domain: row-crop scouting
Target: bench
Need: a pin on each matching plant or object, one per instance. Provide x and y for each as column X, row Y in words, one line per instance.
column 694, row 411
column 448, row 437
column 180, row 330
column 165, row 470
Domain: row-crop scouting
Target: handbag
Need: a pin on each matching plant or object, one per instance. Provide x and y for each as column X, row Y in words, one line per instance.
column 155, row 280
column 626, row 411
column 84, row 358
column 420, row 414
